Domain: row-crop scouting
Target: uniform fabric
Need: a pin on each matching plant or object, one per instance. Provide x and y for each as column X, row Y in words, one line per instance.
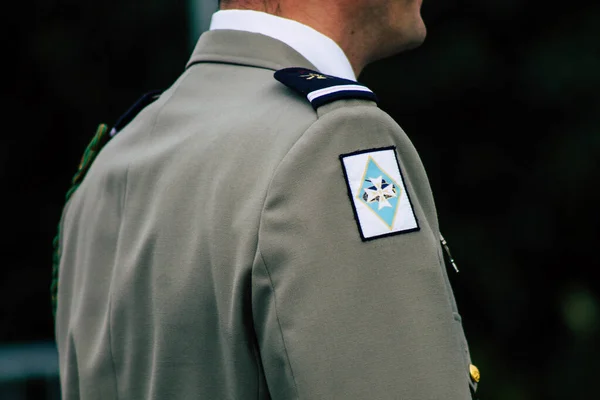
column 211, row 252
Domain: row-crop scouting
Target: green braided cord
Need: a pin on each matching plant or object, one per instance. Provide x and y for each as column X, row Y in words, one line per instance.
column 100, row 139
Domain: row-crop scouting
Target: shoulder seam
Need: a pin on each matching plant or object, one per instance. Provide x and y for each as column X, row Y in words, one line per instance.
column 287, row 356
column 258, row 252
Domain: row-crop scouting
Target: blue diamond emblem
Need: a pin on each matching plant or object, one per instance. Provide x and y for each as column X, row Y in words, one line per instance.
column 380, row 193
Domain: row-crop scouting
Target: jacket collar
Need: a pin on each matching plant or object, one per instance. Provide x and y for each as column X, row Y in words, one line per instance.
column 245, row 48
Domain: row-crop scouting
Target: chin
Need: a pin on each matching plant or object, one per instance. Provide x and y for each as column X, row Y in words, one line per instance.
column 405, row 39
column 401, row 36
column 410, row 34
column 416, row 37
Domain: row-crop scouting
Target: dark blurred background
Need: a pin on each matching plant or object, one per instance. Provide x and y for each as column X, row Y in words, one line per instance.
column 502, row 102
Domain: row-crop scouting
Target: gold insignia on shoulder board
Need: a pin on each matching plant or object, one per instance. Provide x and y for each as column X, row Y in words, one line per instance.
column 313, row 75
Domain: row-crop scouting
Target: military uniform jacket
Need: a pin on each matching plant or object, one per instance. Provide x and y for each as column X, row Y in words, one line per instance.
column 222, row 247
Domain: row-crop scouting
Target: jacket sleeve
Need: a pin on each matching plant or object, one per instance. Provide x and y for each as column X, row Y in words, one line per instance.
column 340, row 314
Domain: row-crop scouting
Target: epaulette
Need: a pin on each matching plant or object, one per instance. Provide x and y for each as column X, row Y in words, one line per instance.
column 321, row 89
column 134, row 110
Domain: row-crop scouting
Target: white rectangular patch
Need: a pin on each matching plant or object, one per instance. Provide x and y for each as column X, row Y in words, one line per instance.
column 377, row 192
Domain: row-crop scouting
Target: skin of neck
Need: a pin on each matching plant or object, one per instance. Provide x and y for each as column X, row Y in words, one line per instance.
column 356, row 28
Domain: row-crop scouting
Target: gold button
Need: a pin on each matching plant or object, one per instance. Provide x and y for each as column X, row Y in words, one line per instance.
column 474, row 373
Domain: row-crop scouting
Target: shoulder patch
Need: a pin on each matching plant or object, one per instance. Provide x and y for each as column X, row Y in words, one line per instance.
column 378, row 194
column 321, row 89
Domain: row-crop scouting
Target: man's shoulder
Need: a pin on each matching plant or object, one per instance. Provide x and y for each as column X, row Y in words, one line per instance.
column 314, row 96
column 214, row 104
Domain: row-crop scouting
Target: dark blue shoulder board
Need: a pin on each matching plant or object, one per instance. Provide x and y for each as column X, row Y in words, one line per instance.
column 134, row 110
column 321, row 89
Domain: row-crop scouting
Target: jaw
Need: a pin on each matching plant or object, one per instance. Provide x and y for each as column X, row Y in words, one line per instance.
column 406, row 27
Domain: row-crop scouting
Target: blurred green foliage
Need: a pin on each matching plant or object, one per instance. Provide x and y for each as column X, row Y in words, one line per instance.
column 501, row 101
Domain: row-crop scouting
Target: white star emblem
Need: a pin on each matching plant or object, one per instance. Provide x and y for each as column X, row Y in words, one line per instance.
column 380, row 192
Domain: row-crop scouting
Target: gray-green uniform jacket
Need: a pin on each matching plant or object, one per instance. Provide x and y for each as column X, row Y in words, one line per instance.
column 232, row 242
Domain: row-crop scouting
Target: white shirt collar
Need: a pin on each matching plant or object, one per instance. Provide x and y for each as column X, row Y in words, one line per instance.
column 320, row 50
